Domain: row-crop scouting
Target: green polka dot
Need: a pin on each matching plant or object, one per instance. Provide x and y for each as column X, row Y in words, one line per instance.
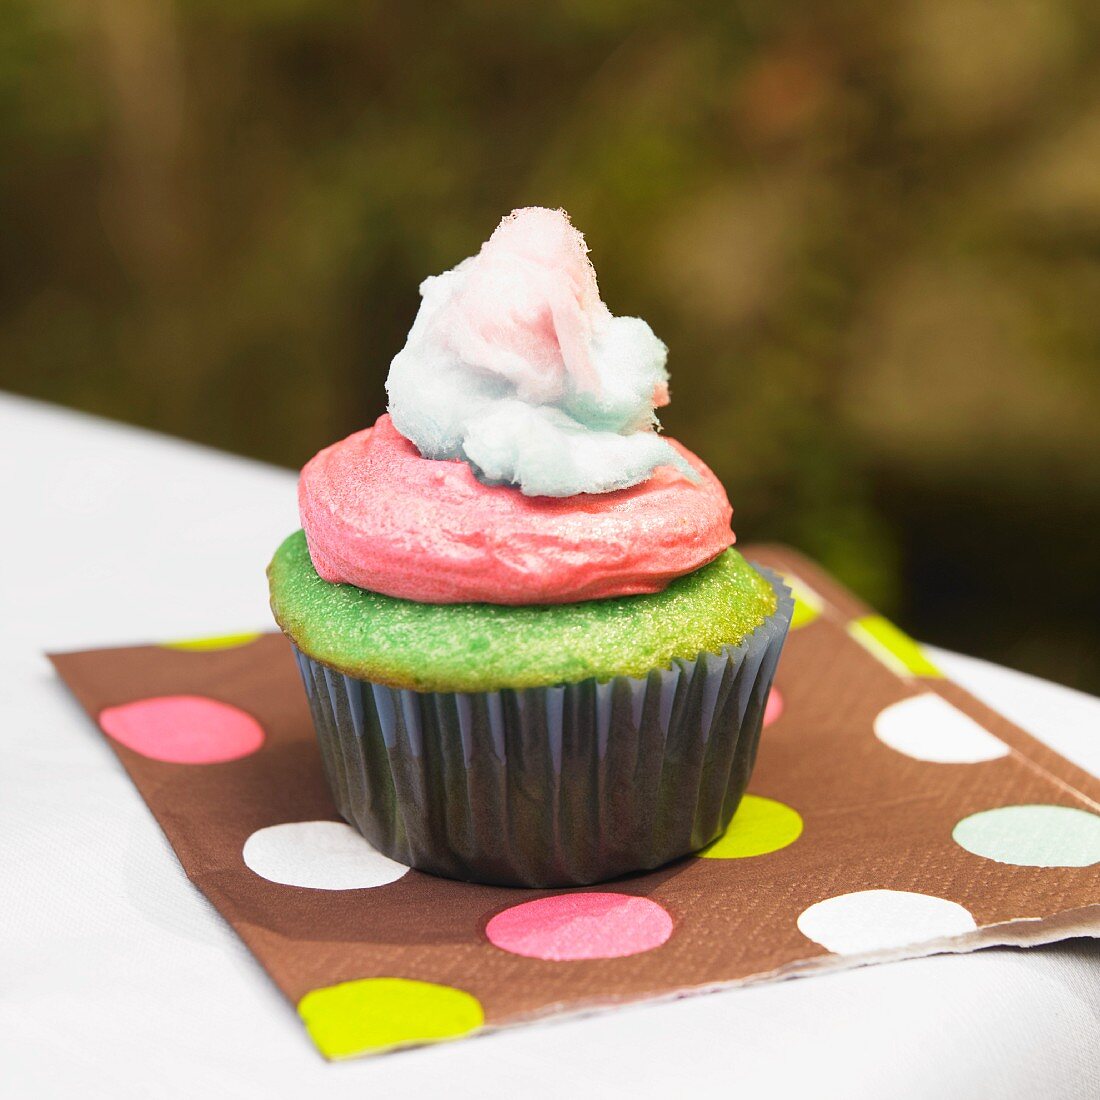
column 375, row 1014
column 808, row 605
column 1032, row 836
column 760, row 826
column 894, row 648
column 205, row 645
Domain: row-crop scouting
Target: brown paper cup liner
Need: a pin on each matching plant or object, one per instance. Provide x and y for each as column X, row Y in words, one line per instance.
column 558, row 786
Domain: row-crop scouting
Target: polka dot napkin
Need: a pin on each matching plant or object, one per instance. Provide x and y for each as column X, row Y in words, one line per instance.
column 889, row 815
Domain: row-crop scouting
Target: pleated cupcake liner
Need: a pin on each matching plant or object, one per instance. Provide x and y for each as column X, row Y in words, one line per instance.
column 552, row 786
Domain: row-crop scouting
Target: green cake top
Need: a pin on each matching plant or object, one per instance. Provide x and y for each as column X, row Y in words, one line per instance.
column 485, row 647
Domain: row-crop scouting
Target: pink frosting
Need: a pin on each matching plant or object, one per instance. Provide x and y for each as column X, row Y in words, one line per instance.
column 379, row 516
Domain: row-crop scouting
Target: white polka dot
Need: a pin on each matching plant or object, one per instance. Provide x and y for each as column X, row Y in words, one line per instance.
column 882, row 920
column 928, row 727
column 318, row 855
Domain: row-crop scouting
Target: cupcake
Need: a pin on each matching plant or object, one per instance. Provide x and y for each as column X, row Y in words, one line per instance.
column 531, row 653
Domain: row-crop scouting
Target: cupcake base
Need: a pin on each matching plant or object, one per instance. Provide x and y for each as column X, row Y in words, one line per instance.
column 558, row 786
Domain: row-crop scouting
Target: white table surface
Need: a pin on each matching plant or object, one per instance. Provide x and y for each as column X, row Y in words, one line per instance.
column 118, row 979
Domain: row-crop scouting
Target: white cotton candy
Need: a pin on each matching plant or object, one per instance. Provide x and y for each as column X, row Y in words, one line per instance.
column 516, row 366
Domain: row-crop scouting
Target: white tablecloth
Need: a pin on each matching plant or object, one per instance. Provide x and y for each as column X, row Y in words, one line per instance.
column 117, row 978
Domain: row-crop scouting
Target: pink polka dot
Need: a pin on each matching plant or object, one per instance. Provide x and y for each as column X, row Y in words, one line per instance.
column 773, row 708
column 183, row 729
column 580, row 926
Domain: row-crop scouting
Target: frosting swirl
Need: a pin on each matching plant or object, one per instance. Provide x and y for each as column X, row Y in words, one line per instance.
column 380, row 516
column 516, row 366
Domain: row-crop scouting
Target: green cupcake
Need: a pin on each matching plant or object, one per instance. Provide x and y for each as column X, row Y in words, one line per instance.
column 531, row 654
column 487, row 647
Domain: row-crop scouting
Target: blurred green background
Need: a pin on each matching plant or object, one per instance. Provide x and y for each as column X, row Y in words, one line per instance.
column 869, row 234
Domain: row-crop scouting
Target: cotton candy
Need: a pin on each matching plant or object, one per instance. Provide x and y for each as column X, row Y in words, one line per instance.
column 516, row 366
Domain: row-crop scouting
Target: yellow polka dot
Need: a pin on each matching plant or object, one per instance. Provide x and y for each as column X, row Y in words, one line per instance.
column 205, row 645
column 808, row 605
column 370, row 1015
column 760, row 826
column 894, row 648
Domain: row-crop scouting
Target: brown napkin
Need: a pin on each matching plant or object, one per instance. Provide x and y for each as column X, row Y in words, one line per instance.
column 890, row 815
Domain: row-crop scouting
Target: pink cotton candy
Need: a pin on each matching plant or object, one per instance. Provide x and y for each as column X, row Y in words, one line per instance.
column 379, row 516
column 516, row 366
column 529, row 306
